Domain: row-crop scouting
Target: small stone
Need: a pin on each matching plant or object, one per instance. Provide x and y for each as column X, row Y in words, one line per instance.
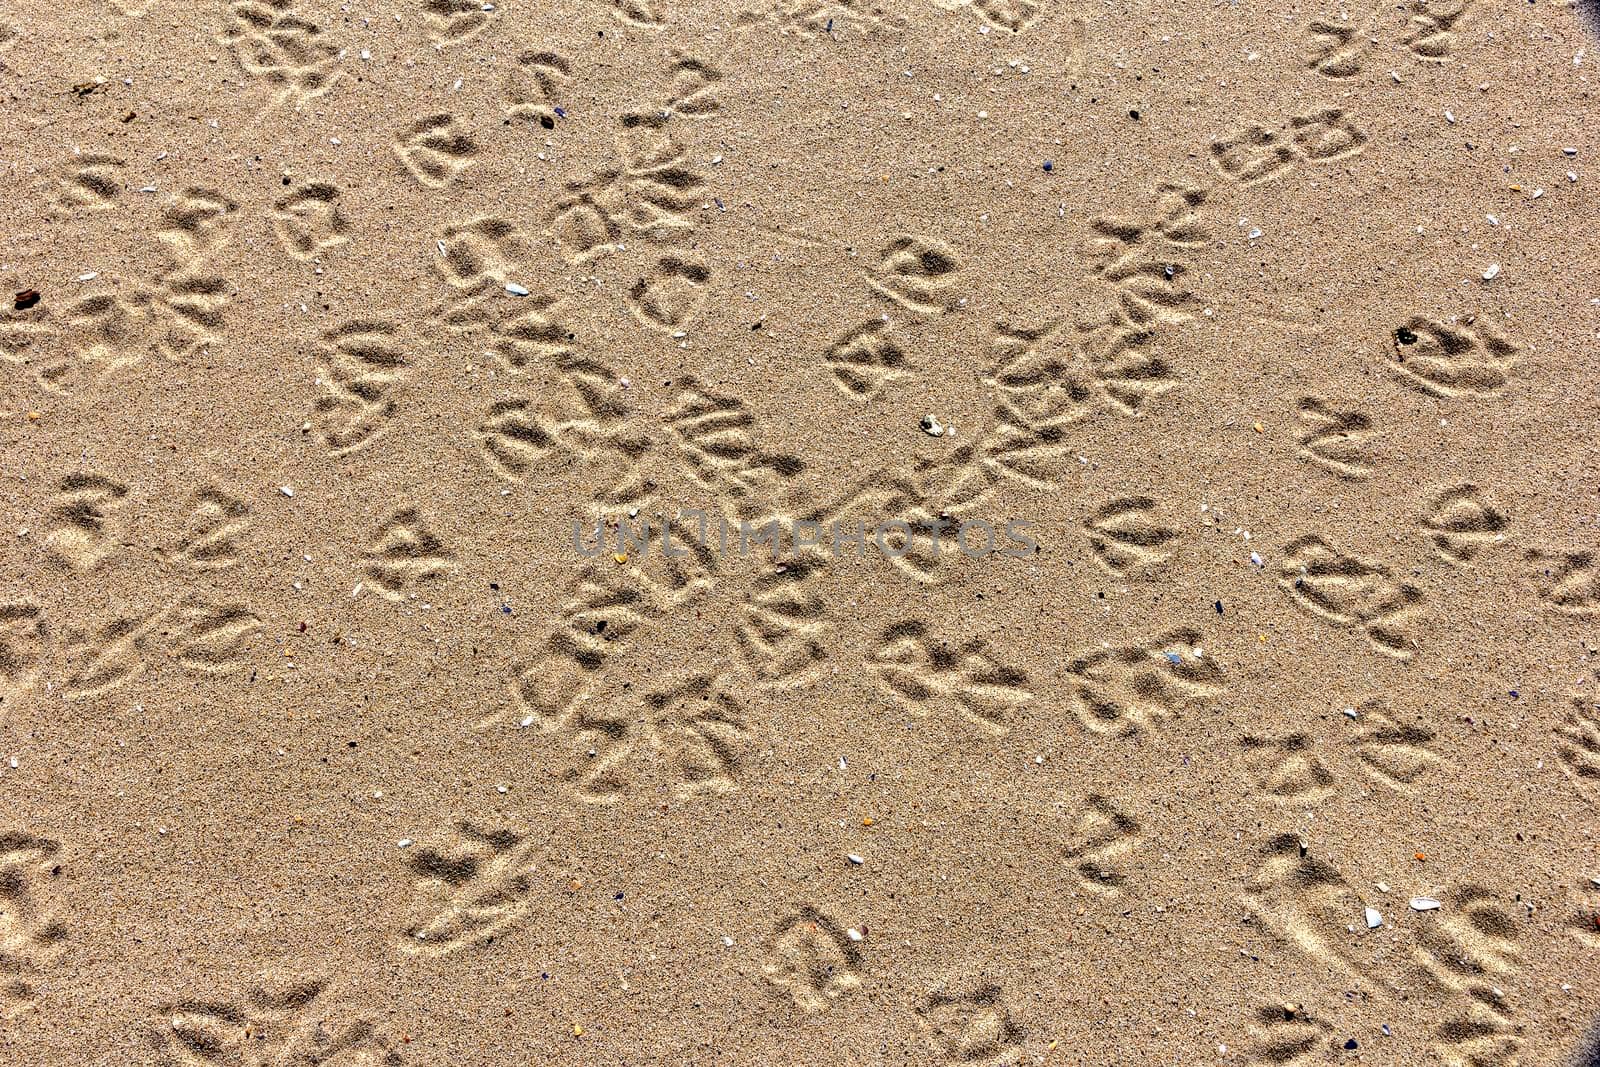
column 1374, row 920
column 855, row 859
column 932, row 426
column 516, row 290
column 1492, row 273
column 285, row 490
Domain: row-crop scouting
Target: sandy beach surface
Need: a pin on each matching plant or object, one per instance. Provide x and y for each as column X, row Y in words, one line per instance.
column 1098, row 552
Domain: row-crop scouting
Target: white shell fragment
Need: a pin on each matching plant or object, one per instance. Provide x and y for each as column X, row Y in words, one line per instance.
column 1374, row 920
column 1424, row 904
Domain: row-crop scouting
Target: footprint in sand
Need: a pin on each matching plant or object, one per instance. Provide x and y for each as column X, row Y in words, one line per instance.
column 360, row 368
column 309, row 220
column 1351, row 592
column 283, row 1018
column 436, row 149
column 24, row 641
column 404, row 553
column 971, row 1027
column 1130, row 689
column 922, row 673
column 1450, row 359
column 1103, row 839
column 812, row 961
column 1461, row 521
column 1336, row 439
column 31, row 933
column 85, row 523
column 474, row 887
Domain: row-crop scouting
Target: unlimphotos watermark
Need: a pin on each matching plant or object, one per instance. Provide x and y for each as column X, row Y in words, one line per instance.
column 781, row 538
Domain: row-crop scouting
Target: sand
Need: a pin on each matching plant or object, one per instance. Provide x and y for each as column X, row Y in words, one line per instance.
column 1244, row 354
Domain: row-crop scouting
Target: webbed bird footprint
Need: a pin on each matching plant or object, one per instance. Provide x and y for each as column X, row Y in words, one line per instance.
column 1351, row 592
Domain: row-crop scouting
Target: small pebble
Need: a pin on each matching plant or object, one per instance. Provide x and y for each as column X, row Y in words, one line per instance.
column 515, row 290
column 1492, row 273
column 1374, row 919
column 855, row 859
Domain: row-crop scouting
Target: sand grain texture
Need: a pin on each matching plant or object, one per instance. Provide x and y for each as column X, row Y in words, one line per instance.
column 320, row 743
